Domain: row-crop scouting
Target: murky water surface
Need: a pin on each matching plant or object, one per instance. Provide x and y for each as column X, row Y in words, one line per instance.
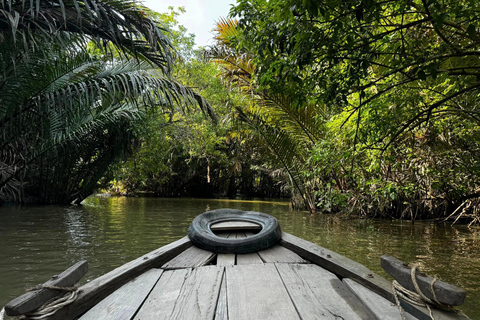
column 37, row 242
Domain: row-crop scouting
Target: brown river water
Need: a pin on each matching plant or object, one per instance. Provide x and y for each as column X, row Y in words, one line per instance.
column 37, row 242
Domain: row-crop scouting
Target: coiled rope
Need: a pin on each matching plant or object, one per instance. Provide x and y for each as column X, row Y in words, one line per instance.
column 418, row 298
column 51, row 306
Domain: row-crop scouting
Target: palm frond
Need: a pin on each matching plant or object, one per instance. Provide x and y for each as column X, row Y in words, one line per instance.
column 125, row 24
column 226, row 31
column 285, row 148
column 237, row 65
column 301, row 122
column 69, row 105
column 288, row 128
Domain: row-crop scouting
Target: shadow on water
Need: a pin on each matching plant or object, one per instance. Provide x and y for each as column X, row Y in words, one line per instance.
column 37, row 242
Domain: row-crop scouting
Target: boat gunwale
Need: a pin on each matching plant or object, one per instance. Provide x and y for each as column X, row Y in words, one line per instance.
column 96, row 290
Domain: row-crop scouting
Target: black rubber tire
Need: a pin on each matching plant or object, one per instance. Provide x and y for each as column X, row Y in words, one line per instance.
column 203, row 237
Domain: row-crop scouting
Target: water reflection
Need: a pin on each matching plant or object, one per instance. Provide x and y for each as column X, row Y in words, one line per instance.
column 37, row 242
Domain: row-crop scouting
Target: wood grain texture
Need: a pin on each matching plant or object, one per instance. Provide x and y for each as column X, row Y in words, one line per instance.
column 248, row 258
column 379, row 306
column 221, row 312
column 160, row 303
column 32, row 300
column 97, row 289
column 125, row 301
column 257, row 292
column 347, row 268
column 225, row 259
column 277, row 253
column 190, row 258
column 199, row 294
column 319, row 294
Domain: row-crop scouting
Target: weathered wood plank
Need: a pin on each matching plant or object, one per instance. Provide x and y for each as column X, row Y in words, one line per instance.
column 97, row 289
column 225, row 259
column 347, row 268
column 235, row 225
column 199, row 294
column 319, row 294
column 221, row 312
column 223, row 234
column 379, row 306
column 248, row 258
column 32, row 300
column 277, row 253
column 190, row 258
column 444, row 292
column 257, row 292
column 161, row 301
column 125, row 301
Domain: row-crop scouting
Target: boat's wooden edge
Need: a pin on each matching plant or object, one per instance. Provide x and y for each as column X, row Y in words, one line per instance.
column 34, row 299
column 347, row 268
column 445, row 293
column 97, row 289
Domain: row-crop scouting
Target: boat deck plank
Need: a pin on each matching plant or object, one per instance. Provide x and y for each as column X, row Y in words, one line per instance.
column 225, row 259
column 277, row 253
column 123, row 303
column 379, row 306
column 199, row 294
column 184, row 294
column 160, row 303
column 319, row 294
column 190, row 258
column 221, row 313
column 257, row 292
column 249, row 258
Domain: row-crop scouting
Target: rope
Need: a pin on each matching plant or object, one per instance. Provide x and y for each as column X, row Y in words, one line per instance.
column 417, row 298
column 51, row 307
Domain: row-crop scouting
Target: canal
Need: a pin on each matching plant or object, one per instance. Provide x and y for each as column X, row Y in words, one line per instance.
column 39, row 241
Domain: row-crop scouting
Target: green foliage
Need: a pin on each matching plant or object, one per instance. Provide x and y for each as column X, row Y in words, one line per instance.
column 287, row 129
column 122, row 24
column 397, row 83
column 68, row 104
column 181, row 153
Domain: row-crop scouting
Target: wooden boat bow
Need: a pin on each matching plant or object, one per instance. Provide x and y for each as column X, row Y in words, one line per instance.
column 293, row 279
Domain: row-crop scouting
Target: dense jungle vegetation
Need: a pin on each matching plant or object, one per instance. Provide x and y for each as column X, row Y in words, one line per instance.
column 360, row 106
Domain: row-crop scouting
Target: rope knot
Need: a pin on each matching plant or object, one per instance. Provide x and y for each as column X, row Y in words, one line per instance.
column 51, row 307
column 418, row 297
